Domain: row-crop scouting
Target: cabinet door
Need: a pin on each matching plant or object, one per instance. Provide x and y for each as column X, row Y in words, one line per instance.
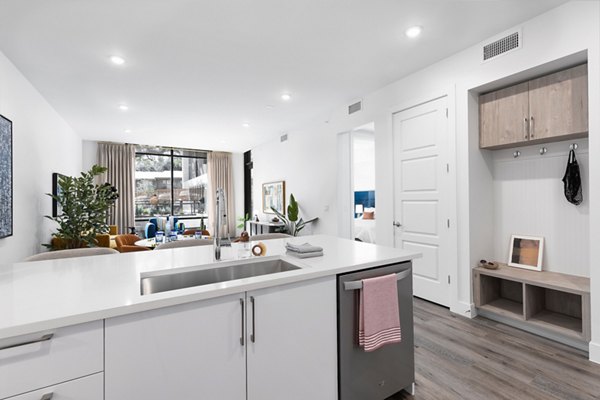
column 559, row 103
column 292, row 342
column 87, row 388
column 503, row 116
column 185, row 352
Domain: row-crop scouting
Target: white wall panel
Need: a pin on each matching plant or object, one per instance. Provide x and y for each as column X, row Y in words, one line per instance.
column 529, row 200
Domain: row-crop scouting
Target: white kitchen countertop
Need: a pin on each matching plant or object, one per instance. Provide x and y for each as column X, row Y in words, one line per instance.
column 45, row 295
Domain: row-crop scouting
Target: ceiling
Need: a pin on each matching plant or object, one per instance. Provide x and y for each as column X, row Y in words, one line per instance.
column 197, row 70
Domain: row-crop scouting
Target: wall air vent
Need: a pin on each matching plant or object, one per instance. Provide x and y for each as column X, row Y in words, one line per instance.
column 502, row 46
column 352, row 108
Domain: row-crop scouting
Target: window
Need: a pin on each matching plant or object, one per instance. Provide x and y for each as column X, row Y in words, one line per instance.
column 170, row 182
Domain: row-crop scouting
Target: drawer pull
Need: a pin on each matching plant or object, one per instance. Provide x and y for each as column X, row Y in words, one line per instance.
column 47, row 396
column 44, row 338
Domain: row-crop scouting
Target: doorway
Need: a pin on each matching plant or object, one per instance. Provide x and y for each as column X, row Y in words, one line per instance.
column 356, row 184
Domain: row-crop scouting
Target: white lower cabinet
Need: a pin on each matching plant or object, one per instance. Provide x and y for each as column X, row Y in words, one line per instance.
column 87, row 388
column 42, row 359
column 274, row 343
column 185, row 352
column 294, row 352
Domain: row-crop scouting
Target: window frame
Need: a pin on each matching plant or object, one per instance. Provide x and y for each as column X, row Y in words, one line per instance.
column 171, row 154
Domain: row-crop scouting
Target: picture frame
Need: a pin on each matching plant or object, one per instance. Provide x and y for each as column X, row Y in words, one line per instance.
column 56, row 209
column 273, row 195
column 526, row 252
column 6, row 177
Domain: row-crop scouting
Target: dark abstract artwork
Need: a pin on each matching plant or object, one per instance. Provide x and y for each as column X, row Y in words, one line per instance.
column 6, row 178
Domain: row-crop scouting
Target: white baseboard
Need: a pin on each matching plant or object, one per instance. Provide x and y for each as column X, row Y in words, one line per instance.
column 595, row 352
column 464, row 309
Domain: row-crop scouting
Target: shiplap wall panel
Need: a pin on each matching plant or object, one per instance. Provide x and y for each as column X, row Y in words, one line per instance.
column 529, row 200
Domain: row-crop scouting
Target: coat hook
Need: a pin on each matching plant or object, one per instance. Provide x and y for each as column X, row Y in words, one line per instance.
column 573, row 146
column 543, row 150
column 516, row 154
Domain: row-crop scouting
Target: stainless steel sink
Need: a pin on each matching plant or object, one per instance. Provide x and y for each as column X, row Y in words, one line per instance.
column 180, row 280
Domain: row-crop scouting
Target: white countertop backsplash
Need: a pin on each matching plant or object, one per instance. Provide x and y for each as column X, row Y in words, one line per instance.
column 45, row 295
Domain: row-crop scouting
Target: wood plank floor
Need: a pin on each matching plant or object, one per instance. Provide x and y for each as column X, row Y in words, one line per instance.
column 479, row 359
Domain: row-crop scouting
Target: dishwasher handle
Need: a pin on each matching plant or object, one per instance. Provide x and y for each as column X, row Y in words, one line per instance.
column 353, row 285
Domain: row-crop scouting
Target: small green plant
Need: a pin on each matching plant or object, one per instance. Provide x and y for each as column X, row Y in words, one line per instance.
column 242, row 221
column 85, row 207
column 293, row 224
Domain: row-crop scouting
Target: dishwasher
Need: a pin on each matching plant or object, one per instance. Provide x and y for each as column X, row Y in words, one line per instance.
column 379, row 374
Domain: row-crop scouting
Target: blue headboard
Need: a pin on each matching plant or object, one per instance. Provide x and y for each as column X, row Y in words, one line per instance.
column 366, row 198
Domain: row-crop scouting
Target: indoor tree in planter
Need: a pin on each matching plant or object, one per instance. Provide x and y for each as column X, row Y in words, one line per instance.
column 85, row 207
column 293, row 224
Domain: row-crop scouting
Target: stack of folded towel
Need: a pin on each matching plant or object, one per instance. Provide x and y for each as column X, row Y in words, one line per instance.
column 305, row 250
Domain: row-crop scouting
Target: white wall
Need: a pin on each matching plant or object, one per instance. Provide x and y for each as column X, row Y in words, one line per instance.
column 306, row 160
column 363, row 160
column 43, row 143
column 528, row 199
column 307, row 164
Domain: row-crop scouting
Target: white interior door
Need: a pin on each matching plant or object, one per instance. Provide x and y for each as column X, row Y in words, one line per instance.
column 421, row 196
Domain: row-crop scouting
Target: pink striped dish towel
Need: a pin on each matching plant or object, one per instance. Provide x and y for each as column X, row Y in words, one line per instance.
column 379, row 319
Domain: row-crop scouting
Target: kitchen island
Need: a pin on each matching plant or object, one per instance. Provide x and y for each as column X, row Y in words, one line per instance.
column 227, row 339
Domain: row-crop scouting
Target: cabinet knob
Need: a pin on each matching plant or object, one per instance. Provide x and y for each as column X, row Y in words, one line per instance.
column 397, row 224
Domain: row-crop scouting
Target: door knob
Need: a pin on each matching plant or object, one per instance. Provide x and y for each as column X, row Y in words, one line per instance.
column 397, row 224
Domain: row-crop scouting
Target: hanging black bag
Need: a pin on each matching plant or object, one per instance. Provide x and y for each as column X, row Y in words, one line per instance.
column 572, row 181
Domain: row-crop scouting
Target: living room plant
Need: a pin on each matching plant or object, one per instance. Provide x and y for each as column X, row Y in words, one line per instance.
column 293, row 222
column 84, row 209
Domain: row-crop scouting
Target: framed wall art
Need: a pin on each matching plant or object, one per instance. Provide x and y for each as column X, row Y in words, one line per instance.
column 526, row 252
column 273, row 195
column 6, row 178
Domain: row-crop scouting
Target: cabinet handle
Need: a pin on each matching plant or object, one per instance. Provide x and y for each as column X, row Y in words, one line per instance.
column 242, row 335
column 44, row 338
column 526, row 128
column 531, row 126
column 253, row 334
column 47, row 396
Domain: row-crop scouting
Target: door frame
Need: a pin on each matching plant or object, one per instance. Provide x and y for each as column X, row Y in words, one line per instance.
column 452, row 210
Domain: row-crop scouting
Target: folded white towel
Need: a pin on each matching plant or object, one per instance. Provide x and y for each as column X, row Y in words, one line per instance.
column 303, row 248
column 304, row 255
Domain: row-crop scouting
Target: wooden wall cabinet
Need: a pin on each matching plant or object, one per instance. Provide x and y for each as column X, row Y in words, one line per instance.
column 550, row 108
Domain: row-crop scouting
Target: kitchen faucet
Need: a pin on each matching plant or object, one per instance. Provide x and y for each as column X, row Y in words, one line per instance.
column 220, row 221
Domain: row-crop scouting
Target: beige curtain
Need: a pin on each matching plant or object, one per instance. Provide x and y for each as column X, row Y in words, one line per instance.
column 220, row 176
column 120, row 161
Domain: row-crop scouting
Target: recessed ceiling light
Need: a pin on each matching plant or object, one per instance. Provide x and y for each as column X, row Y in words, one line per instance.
column 117, row 60
column 413, row 31
column 123, row 107
column 286, row 97
column 127, row 130
column 246, row 125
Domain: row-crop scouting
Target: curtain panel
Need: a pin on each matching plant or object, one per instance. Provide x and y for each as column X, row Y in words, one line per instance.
column 220, row 176
column 120, row 161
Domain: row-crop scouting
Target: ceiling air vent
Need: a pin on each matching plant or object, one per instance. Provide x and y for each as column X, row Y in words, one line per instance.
column 352, row 108
column 502, row 46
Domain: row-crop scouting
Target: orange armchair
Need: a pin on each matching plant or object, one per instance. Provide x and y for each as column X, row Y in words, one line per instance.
column 126, row 243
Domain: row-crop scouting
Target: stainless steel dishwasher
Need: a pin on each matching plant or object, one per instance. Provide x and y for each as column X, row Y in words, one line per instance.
column 379, row 374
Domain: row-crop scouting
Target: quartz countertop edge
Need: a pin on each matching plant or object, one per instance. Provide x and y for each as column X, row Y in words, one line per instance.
column 96, row 299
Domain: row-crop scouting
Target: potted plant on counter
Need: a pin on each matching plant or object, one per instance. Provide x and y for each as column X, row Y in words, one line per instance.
column 85, row 207
column 293, row 223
